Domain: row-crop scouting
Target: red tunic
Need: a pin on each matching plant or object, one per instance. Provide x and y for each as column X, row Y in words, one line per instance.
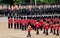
column 9, row 20
column 48, row 20
column 54, row 27
column 57, row 27
column 55, row 20
column 41, row 22
column 37, row 26
column 31, row 21
column 29, row 30
column 15, row 21
column 51, row 24
column 20, row 21
column 46, row 27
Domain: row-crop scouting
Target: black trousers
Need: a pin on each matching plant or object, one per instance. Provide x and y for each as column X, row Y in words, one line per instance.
column 57, row 33
column 44, row 31
column 25, row 27
column 32, row 27
column 15, row 25
column 51, row 31
column 37, row 31
column 29, row 35
column 9, row 25
column 20, row 26
column 41, row 27
column 54, row 32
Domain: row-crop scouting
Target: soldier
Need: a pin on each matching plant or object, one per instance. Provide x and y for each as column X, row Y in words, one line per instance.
column 9, row 22
column 23, row 24
column 15, row 22
column 10, row 25
column 31, row 22
column 41, row 24
column 57, row 29
column 44, row 25
column 46, row 29
column 54, row 28
column 51, row 27
column 48, row 20
column 37, row 27
column 29, row 30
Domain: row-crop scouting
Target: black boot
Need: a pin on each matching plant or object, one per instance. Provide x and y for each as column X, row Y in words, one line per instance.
column 57, row 33
column 37, row 32
column 44, row 31
column 8, row 25
column 54, row 32
column 51, row 31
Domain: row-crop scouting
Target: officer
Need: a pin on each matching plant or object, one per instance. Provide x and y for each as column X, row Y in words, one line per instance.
column 29, row 30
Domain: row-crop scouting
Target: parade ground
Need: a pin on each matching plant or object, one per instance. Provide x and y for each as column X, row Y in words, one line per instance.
column 18, row 33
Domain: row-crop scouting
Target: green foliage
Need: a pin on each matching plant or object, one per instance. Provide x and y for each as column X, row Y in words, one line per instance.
column 19, row 1
column 47, row 1
column 50, row 1
column 33, row 1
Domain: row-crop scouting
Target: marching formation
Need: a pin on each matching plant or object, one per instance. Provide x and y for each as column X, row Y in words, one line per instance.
column 44, row 24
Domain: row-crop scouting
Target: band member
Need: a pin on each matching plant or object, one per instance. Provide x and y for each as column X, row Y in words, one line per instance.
column 15, row 22
column 31, row 22
column 46, row 29
column 48, row 20
column 10, row 25
column 29, row 30
column 51, row 27
column 26, row 24
column 44, row 25
column 37, row 27
column 54, row 28
column 23, row 24
column 57, row 29
column 41, row 24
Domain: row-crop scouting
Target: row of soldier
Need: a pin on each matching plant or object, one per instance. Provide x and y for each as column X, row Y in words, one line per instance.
column 36, row 24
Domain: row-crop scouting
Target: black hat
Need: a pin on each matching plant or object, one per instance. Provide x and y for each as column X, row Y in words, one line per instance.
column 51, row 20
column 58, row 22
column 47, row 21
column 44, row 20
column 54, row 22
column 37, row 20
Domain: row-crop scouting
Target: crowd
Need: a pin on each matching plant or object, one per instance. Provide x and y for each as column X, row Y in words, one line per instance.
column 43, row 9
column 44, row 24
